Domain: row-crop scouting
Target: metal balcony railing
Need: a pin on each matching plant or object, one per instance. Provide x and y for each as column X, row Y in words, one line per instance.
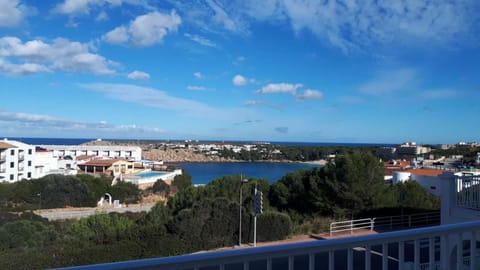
column 425, row 248
column 468, row 192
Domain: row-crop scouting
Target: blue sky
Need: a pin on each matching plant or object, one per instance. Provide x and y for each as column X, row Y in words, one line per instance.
column 272, row 70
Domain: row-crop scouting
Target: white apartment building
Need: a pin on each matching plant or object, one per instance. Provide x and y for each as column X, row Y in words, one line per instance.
column 411, row 148
column 107, row 151
column 16, row 161
column 45, row 163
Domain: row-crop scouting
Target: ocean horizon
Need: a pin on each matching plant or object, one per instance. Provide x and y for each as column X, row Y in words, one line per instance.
column 77, row 141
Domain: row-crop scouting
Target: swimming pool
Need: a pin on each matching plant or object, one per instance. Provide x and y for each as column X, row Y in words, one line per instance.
column 149, row 174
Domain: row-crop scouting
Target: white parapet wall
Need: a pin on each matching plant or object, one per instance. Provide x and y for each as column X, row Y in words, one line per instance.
column 139, row 179
column 107, row 151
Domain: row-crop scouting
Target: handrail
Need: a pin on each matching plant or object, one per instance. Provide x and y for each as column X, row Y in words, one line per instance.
column 267, row 252
column 391, row 222
column 351, row 225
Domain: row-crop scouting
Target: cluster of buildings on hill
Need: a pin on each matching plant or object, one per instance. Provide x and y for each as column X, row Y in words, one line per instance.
column 23, row 161
column 408, row 148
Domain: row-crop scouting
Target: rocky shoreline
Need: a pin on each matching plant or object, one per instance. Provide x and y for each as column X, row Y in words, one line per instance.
column 152, row 150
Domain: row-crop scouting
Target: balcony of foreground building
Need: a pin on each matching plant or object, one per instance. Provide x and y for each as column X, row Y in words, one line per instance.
column 444, row 247
column 3, row 157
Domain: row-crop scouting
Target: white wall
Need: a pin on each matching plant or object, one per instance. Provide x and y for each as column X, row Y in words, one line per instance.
column 45, row 162
column 18, row 163
column 128, row 152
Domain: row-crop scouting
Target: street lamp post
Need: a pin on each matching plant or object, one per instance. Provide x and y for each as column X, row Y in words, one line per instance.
column 242, row 181
column 40, row 200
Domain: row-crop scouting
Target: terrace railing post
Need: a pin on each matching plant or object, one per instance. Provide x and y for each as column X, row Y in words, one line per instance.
column 473, row 250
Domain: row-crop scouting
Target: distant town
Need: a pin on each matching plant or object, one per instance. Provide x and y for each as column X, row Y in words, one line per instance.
column 128, row 159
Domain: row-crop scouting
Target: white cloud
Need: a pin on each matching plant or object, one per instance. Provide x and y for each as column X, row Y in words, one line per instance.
column 221, row 17
column 251, row 103
column 214, row 16
column 274, row 88
column 390, row 82
column 145, row 30
column 309, row 94
column 348, row 24
column 11, row 13
column 198, row 75
column 84, row 7
column 261, row 103
column 61, row 54
column 151, row 97
column 138, row 75
column 74, row 7
column 438, row 94
column 196, row 88
column 201, row 40
column 36, row 122
column 21, row 69
column 239, row 80
column 102, row 16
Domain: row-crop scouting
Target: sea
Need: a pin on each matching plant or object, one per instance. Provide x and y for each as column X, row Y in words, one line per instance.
column 76, row 141
column 202, row 173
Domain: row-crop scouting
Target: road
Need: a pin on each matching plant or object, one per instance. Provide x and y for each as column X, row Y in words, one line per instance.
column 66, row 213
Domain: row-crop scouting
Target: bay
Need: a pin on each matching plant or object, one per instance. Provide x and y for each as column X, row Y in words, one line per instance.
column 202, row 173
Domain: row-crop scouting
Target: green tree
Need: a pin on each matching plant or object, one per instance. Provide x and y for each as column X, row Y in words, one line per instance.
column 60, row 191
column 416, row 197
column 273, row 226
column 101, row 229
column 162, row 188
column 182, row 181
column 26, row 234
column 358, row 181
column 125, row 192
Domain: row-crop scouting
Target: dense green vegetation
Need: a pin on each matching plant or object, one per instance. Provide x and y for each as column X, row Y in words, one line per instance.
column 56, row 191
column 292, row 153
column 195, row 218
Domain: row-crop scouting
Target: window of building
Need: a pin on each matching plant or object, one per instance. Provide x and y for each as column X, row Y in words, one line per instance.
column 12, row 164
column 29, row 151
column 12, row 152
column 29, row 163
column 11, row 176
column 29, row 175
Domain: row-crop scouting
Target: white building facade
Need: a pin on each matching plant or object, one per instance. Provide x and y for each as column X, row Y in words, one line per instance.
column 106, row 151
column 16, row 161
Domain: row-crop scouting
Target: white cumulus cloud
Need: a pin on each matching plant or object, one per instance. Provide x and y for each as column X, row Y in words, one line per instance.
column 11, row 13
column 84, row 7
column 145, row 30
column 138, row 75
column 198, row 75
column 239, row 80
column 309, row 94
column 274, row 88
column 61, row 54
